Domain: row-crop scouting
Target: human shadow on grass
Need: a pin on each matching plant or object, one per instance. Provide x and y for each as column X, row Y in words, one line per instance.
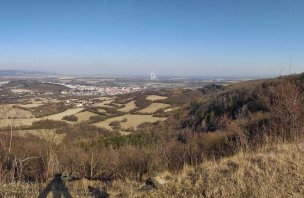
column 57, row 187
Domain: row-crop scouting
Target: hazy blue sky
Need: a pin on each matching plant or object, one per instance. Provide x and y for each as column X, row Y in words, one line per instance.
column 190, row 37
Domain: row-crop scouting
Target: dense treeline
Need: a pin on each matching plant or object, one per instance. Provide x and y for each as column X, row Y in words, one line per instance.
column 206, row 115
column 47, row 109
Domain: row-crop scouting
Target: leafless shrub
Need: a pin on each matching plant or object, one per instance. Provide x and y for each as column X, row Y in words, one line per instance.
column 285, row 105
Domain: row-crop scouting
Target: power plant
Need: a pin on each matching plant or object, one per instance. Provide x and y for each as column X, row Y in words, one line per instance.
column 153, row 76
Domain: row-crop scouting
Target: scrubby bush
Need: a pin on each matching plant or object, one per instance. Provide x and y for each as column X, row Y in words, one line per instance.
column 48, row 124
column 24, row 161
column 284, row 103
column 96, row 118
column 115, row 124
column 71, row 118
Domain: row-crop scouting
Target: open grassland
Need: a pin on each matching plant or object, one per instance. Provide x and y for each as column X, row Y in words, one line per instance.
column 104, row 103
column 9, row 111
column 59, row 116
column 102, row 111
column 171, row 109
column 37, row 102
column 24, row 115
column 84, row 116
column 128, row 107
column 30, row 105
column 30, row 111
column 152, row 108
column 17, row 122
column 129, row 121
column 26, row 118
column 156, row 97
column 29, row 121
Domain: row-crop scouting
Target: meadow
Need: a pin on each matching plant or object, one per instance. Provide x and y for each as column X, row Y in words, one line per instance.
column 128, row 120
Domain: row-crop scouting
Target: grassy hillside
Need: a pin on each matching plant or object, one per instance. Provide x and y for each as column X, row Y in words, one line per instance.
column 270, row 172
column 242, row 140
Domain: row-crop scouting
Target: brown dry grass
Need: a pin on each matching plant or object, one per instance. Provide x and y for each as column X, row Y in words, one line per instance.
column 152, row 108
column 171, row 109
column 156, row 97
column 274, row 171
column 271, row 172
column 29, row 121
column 7, row 111
column 132, row 121
column 104, row 101
column 59, row 116
column 17, row 122
column 84, row 116
column 128, row 107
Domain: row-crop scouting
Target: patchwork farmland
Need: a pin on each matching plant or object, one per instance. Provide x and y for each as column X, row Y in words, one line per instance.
column 105, row 111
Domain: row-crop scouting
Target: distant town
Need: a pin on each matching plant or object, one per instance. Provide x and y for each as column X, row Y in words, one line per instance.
column 86, row 90
column 28, row 85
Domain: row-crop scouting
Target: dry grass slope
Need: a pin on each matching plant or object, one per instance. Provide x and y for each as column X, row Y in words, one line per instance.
column 128, row 107
column 156, row 97
column 68, row 112
column 271, row 172
column 7, row 111
column 132, row 121
column 152, row 108
column 276, row 172
column 84, row 116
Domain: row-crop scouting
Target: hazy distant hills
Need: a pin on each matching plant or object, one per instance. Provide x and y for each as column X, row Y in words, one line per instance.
column 16, row 73
column 23, row 73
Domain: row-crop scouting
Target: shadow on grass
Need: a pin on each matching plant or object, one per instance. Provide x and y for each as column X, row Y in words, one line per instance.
column 57, row 187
